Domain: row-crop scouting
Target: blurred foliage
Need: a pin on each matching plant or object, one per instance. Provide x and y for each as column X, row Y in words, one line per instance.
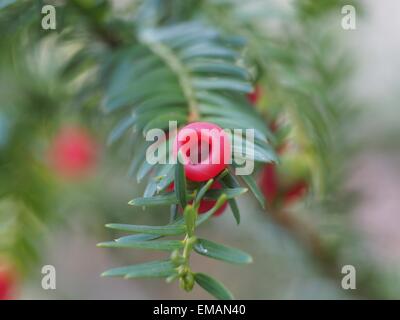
column 173, row 59
column 26, row 110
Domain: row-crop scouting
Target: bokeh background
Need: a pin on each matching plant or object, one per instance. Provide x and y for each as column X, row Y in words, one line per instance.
column 282, row 269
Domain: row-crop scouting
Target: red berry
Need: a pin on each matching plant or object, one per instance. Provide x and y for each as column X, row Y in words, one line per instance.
column 206, row 205
column 272, row 188
column 206, row 150
column 73, row 152
column 254, row 96
column 269, row 182
column 295, row 192
column 7, row 282
column 171, row 187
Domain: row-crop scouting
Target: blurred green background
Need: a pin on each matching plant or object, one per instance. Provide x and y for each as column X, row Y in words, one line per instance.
column 46, row 218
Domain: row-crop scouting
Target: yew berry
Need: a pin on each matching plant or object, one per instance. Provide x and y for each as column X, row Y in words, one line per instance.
column 295, row 192
column 269, row 182
column 73, row 152
column 274, row 191
column 7, row 282
column 254, row 96
column 205, row 148
column 205, row 204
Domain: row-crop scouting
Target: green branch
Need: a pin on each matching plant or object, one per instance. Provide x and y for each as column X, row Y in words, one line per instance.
column 177, row 67
column 96, row 24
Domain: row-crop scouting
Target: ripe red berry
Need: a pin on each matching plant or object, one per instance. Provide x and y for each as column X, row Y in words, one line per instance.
column 206, row 205
column 7, row 282
column 206, row 150
column 254, row 96
column 73, row 152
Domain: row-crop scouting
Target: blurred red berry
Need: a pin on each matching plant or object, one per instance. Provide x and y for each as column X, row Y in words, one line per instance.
column 205, row 148
column 7, row 282
column 295, row 192
column 206, row 205
column 171, row 187
column 270, row 186
column 269, row 182
column 73, row 153
column 254, row 96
